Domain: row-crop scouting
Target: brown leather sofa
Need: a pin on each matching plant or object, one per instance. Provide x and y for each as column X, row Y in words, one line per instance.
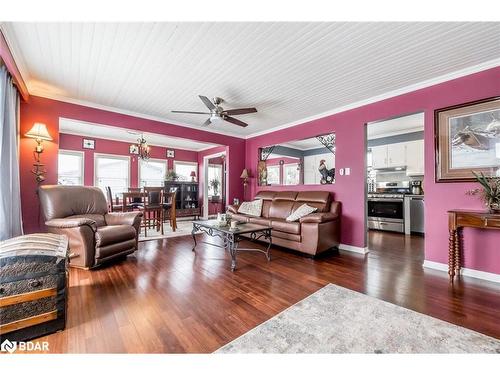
column 81, row 213
column 312, row 234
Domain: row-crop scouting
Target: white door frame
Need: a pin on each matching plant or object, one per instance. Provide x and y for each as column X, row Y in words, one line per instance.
column 205, row 180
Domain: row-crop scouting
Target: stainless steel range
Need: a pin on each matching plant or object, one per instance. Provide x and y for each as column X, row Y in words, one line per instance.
column 386, row 206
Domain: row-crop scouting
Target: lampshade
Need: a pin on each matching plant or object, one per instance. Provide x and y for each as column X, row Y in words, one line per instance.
column 39, row 131
column 193, row 174
column 244, row 174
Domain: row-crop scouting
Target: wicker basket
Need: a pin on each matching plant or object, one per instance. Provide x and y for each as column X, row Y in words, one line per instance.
column 33, row 286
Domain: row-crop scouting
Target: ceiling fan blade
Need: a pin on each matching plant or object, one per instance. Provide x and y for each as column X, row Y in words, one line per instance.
column 208, row 122
column 239, row 111
column 190, row 112
column 207, row 102
column 235, row 121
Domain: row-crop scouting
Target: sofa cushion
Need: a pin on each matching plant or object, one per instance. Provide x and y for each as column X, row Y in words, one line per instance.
column 301, row 212
column 286, row 236
column 240, row 217
column 286, row 226
column 319, row 199
column 260, row 221
column 265, row 195
column 281, row 209
column 253, row 208
column 285, row 195
column 113, row 234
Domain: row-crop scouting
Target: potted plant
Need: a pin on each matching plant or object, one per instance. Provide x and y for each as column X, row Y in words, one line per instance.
column 489, row 191
column 214, row 184
column 171, row 175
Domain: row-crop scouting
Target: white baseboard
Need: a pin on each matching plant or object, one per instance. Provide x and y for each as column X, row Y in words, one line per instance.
column 488, row 276
column 354, row 249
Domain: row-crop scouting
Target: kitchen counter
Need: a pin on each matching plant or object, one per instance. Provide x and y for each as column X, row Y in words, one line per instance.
column 414, row 195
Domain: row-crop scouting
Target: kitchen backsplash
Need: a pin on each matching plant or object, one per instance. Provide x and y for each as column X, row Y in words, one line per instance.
column 395, row 176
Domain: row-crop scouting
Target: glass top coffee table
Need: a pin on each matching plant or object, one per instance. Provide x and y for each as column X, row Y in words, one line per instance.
column 232, row 237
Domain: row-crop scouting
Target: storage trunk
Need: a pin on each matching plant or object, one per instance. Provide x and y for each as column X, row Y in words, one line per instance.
column 33, row 286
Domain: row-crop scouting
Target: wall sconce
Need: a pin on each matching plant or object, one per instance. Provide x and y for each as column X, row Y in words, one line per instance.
column 245, row 176
column 40, row 133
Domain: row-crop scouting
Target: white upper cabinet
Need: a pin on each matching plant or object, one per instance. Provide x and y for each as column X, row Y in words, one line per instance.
column 379, row 157
column 404, row 154
column 415, row 158
column 396, row 155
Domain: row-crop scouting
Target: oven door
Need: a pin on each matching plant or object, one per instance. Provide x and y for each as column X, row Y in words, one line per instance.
column 389, row 209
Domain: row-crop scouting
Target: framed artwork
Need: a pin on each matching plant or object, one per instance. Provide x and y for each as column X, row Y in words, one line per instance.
column 170, row 153
column 88, row 143
column 133, row 149
column 468, row 139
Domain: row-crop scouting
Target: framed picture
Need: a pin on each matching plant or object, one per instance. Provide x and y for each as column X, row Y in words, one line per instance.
column 133, row 149
column 170, row 153
column 89, row 143
column 468, row 139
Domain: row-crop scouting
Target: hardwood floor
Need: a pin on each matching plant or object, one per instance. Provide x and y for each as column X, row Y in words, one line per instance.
column 166, row 299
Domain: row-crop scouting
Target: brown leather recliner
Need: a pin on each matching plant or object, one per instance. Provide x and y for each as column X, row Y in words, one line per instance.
column 312, row 234
column 81, row 213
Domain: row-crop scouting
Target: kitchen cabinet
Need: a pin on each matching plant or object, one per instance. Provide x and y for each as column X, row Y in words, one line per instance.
column 415, row 158
column 389, row 156
column 396, row 155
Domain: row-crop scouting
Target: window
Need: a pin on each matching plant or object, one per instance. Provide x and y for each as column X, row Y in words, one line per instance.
column 152, row 172
column 183, row 169
column 291, row 174
column 273, row 175
column 70, row 167
column 214, row 173
column 112, row 171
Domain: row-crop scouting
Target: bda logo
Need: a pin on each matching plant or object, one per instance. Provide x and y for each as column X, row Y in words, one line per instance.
column 8, row 346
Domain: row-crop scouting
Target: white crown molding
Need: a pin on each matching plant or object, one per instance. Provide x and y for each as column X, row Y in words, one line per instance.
column 488, row 276
column 404, row 90
column 354, row 249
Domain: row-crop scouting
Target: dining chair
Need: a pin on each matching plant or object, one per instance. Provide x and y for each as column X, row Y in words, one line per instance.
column 128, row 204
column 112, row 207
column 169, row 208
column 153, row 207
column 137, row 202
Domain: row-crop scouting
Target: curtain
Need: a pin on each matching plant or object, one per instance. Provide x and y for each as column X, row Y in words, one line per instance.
column 10, row 193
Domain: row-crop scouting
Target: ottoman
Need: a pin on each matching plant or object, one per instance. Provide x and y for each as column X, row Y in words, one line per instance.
column 33, row 286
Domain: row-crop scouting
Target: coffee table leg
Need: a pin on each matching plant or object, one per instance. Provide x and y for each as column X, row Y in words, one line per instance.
column 270, row 239
column 194, row 237
column 232, row 250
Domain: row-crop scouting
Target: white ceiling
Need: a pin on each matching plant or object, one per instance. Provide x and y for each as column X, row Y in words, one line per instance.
column 86, row 129
column 400, row 125
column 289, row 71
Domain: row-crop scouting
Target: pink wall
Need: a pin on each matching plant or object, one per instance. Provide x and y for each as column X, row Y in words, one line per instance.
column 481, row 247
column 105, row 146
column 49, row 111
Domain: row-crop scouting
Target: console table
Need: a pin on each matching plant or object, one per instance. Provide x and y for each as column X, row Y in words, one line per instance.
column 458, row 219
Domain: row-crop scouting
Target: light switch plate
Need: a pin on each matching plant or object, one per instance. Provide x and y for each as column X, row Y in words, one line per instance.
column 341, row 171
column 347, row 171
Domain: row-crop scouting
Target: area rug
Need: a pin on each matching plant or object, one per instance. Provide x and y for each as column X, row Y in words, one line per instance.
column 339, row 320
column 184, row 228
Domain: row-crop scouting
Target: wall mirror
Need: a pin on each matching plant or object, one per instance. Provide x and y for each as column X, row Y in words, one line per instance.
column 309, row 161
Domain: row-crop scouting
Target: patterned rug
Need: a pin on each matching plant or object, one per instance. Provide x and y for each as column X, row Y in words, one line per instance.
column 339, row 320
column 184, row 228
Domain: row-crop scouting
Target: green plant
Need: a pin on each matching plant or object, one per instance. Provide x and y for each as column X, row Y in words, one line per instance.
column 214, row 184
column 171, row 175
column 489, row 191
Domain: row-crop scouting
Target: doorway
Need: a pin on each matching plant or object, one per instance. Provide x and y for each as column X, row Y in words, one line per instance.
column 395, row 198
column 214, row 184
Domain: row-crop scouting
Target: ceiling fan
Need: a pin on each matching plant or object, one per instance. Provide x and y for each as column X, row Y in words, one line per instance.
column 217, row 113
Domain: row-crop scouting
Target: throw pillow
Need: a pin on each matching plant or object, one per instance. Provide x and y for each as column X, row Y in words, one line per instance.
column 253, row 208
column 301, row 212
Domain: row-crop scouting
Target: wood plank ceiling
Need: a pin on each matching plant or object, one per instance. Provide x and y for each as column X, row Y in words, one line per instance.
column 289, row 71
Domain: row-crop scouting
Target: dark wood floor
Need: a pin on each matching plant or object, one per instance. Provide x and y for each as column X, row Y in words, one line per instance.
column 167, row 299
